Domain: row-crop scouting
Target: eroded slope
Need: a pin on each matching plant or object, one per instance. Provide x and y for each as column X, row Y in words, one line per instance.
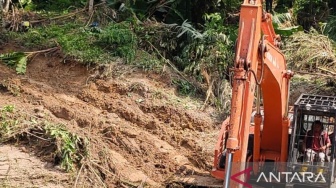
column 139, row 131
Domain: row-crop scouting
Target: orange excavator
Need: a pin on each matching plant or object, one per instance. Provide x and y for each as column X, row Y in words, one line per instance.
column 261, row 81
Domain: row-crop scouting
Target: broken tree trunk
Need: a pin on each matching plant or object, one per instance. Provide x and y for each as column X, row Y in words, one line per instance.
column 1, row 16
column 91, row 6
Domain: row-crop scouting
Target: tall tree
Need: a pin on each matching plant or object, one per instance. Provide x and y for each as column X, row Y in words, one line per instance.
column 1, row 16
column 91, row 6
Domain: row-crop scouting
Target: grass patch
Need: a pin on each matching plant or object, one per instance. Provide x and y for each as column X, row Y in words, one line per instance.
column 147, row 61
column 84, row 44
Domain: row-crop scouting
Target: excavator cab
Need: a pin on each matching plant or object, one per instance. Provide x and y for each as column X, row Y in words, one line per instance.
column 307, row 110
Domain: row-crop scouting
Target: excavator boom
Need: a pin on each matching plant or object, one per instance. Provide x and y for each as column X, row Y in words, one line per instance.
column 259, row 66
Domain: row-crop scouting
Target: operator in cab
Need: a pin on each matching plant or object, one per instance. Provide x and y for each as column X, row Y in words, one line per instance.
column 315, row 143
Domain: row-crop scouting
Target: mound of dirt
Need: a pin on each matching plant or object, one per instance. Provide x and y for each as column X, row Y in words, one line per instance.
column 139, row 131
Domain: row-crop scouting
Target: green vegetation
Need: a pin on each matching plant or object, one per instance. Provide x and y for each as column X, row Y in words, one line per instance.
column 82, row 43
column 147, row 61
column 184, row 87
column 8, row 125
column 17, row 60
column 311, row 13
column 329, row 28
column 193, row 41
column 194, row 38
column 68, row 147
column 119, row 39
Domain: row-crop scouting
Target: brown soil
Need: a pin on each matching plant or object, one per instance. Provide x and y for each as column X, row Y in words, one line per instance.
column 140, row 131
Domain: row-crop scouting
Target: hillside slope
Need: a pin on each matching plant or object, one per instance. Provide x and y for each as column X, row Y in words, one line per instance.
column 138, row 130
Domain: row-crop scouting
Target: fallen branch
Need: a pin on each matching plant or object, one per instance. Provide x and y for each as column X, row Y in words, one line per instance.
column 127, row 183
column 208, row 93
column 88, row 22
column 18, row 60
column 80, row 170
column 99, row 166
column 334, row 73
column 95, row 173
column 37, row 136
column 41, row 51
column 313, row 73
column 64, row 16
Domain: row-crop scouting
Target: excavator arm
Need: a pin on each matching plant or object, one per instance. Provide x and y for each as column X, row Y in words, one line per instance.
column 259, row 68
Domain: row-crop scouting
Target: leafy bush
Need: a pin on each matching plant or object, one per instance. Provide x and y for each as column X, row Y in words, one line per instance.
column 207, row 55
column 310, row 13
column 284, row 24
column 119, row 39
column 68, row 145
column 212, row 49
column 184, row 87
column 329, row 28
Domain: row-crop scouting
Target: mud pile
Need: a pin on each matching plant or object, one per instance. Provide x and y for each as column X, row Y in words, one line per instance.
column 139, row 131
